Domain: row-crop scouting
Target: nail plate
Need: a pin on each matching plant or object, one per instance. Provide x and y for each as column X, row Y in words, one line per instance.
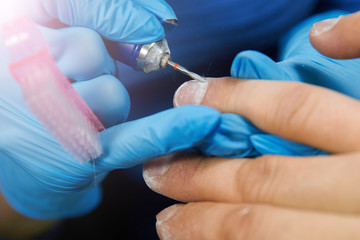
column 191, row 92
column 164, row 230
column 324, row 26
column 167, row 213
column 154, row 169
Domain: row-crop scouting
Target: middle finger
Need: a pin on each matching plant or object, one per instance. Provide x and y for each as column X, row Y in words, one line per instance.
column 315, row 183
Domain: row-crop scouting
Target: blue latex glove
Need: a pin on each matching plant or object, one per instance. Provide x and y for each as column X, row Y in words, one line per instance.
column 37, row 177
column 24, row 144
column 299, row 61
column 41, row 180
column 232, row 138
column 236, row 137
column 131, row 21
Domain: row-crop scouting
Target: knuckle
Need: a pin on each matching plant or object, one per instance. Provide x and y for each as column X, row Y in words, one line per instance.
column 255, row 179
column 294, row 108
column 222, row 93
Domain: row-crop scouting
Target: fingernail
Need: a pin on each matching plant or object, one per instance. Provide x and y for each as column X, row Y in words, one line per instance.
column 172, row 21
column 191, row 92
column 324, row 26
column 154, row 169
column 165, row 215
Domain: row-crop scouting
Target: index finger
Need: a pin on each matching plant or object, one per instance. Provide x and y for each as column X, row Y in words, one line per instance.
column 136, row 142
column 123, row 21
column 299, row 112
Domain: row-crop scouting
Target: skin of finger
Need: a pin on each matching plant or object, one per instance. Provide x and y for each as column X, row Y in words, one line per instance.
column 342, row 41
column 205, row 220
column 327, row 183
column 299, row 112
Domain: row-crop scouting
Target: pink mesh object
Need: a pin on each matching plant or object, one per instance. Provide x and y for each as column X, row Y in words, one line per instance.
column 48, row 93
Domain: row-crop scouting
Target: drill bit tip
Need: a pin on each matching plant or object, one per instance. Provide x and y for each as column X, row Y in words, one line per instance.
column 185, row 71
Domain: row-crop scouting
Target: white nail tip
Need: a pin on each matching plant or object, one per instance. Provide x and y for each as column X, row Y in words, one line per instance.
column 324, row 26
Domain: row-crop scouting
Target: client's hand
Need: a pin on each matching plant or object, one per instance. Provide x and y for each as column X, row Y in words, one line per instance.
column 269, row 197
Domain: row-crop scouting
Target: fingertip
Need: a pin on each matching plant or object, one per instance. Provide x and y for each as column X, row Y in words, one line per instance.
column 337, row 37
column 166, row 214
column 324, row 26
column 159, row 8
column 153, row 170
column 191, row 92
column 323, row 37
column 162, row 18
column 163, row 221
column 107, row 97
column 157, row 135
column 150, row 31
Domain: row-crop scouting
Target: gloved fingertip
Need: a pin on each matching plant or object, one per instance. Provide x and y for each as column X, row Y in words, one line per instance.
column 159, row 8
column 136, row 142
column 107, row 97
column 162, row 18
column 255, row 65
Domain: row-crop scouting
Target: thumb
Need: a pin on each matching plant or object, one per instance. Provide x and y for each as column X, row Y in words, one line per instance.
column 256, row 65
column 337, row 37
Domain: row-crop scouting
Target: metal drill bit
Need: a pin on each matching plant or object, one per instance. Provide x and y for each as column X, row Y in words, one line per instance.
column 185, row 71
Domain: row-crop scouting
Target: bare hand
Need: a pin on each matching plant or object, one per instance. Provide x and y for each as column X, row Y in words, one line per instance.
column 271, row 197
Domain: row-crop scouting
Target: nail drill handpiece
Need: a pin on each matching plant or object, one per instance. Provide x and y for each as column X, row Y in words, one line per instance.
column 147, row 57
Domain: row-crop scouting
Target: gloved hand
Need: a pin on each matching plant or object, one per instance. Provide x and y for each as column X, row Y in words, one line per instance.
column 41, row 180
column 299, row 61
column 38, row 178
column 131, row 21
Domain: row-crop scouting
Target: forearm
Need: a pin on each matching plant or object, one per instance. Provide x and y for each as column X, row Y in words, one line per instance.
column 14, row 225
